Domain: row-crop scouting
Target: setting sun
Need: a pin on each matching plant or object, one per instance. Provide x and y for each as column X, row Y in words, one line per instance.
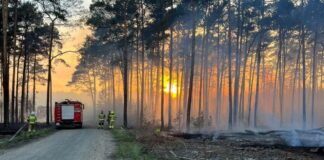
column 173, row 89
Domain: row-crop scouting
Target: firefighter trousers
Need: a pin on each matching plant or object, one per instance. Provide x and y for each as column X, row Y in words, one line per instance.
column 111, row 124
column 31, row 128
column 101, row 124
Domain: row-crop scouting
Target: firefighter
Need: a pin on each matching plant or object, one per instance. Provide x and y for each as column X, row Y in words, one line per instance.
column 111, row 119
column 101, row 117
column 31, row 122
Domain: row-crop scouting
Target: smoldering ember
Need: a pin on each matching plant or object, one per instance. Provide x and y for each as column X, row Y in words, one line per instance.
column 162, row 79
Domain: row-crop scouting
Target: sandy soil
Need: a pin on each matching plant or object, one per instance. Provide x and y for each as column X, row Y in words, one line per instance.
column 70, row 144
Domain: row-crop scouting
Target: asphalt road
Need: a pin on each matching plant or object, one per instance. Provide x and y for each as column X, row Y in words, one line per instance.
column 71, row 144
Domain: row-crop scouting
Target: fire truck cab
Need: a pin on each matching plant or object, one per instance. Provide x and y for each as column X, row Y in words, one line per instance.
column 68, row 114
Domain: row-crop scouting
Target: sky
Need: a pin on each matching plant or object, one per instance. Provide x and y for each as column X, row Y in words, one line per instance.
column 72, row 39
column 86, row 3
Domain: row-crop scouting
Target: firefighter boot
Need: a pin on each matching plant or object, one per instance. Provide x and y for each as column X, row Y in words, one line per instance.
column 112, row 124
column 109, row 124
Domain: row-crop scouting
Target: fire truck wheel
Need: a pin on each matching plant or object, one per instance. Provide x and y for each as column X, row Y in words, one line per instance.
column 80, row 126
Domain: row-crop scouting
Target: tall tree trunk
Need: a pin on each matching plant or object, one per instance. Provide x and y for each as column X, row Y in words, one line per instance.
column 34, row 83
column 314, row 77
column 170, row 70
column 5, row 63
column 294, row 85
column 219, row 74
column 130, row 80
column 186, row 80
column 142, row 55
column 51, row 100
column 206, row 78
column 237, row 64
column 230, row 113
column 22, row 103
column 162, row 86
column 17, row 92
column 192, row 69
column 151, row 91
column 125, row 73
column 94, row 93
column 258, row 60
column 201, row 77
column 178, row 90
column 157, row 87
column 282, row 95
column 137, row 92
column 304, row 67
column 27, row 83
column 49, row 74
column 137, row 83
column 280, row 75
column 105, row 85
column 251, row 83
column 125, row 65
column 14, row 63
column 242, row 95
column 275, row 83
column 113, row 89
column 304, row 76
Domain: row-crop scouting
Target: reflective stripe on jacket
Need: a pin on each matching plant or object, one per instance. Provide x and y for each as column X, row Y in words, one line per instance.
column 111, row 116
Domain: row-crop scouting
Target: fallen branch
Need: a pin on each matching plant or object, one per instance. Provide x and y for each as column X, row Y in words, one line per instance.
column 175, row 156
column 185, row 158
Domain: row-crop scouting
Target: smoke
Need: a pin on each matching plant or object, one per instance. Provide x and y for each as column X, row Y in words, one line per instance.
column 291, row 138
column 311, row 138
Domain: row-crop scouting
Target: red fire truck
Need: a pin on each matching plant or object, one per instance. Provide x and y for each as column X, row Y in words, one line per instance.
column 69, row 114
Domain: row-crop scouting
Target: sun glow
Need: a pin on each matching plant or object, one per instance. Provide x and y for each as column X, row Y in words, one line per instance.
column 174, row 89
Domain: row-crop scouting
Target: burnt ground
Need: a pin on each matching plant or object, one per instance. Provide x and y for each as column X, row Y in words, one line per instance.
column 166, row 145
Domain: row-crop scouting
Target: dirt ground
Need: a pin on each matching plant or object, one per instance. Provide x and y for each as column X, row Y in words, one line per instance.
column 68, row 144
column 165, row 146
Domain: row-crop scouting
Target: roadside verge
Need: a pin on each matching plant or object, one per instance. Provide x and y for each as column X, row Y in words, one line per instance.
column 128, row 147
column 24, row 137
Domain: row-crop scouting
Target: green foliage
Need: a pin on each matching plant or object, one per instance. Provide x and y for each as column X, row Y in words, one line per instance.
column 117, row 19
column 25, row 137
column 59, row 10
column 127, row 147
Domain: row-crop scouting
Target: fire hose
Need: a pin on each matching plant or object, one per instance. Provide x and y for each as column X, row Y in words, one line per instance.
column 20, row 129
